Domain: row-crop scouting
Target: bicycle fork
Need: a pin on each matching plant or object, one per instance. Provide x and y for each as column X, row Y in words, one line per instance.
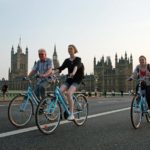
column 24, row 104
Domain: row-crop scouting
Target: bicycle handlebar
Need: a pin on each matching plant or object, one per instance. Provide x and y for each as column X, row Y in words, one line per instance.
column 139, row 79
column 26, row 78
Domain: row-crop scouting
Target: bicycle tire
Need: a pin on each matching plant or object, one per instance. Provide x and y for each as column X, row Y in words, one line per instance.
column 136, row 116
column 147, row 115
column 48, row 118
column 80, row 110
column 17, row 116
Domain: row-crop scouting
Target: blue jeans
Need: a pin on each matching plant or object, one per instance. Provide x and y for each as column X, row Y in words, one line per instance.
column 40, row 88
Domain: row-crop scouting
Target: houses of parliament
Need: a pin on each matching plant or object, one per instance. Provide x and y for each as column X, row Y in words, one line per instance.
column 104, row 77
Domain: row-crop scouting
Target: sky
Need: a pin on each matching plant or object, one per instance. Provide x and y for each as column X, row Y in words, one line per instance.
column 96, row 27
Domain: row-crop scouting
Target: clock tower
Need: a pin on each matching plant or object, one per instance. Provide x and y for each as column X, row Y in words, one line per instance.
column 55, row 58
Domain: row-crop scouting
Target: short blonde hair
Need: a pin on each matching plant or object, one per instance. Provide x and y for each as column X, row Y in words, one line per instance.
column 42, row 50
column 73, row 46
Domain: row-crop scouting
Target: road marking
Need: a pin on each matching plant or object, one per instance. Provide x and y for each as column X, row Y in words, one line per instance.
column 6, row 134
column 108, row 112
column 3, row 105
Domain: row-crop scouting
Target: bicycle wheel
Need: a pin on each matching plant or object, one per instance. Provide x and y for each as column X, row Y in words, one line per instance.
column 48, row 115
column 80, row 110
column 135, row 113
column 20, row 111
column 147, row 115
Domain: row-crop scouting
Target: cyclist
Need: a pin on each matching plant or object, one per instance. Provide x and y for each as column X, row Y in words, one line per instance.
column 141, row 71
column 4, row 90
column 43, row 67
column 74, row 77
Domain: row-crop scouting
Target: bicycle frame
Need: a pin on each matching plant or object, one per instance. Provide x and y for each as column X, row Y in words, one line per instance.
column 139, row 106
column 29, row 95
column 143, row 99
column 58, row 97
column 54, row 108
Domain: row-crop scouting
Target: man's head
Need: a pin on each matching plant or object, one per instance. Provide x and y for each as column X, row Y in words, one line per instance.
column 42, row 54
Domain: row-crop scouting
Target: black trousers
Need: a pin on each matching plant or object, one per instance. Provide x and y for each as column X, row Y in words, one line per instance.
column 147, row 88
column 148, row 95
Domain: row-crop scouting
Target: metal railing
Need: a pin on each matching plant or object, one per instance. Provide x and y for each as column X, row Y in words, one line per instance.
column 12, row 93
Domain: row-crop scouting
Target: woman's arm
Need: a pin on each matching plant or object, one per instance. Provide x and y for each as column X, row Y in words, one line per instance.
column 74, row 71
column 63, row 66
column 135, row 73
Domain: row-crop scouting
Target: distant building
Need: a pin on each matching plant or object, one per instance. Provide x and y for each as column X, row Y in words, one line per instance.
column 19, row 64
column 104, row 78
column 55, row 58
column 19, row 68
column 109, row 78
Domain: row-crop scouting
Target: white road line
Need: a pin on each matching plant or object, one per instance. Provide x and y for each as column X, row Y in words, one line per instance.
column 3, row 105
column 6, row 134
column 108, row 112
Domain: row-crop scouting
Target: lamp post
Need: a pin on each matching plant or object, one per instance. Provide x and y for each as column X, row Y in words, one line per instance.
column 95, row 82
column 95, row 77
column 103, row 80
column 90, row 83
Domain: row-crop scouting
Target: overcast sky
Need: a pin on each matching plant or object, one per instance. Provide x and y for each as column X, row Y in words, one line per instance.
column 97, row 28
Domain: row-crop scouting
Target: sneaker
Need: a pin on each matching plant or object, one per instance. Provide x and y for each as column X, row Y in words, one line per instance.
column 71, row 117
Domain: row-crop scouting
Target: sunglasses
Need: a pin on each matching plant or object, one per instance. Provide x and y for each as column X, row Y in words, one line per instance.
column 41, row 54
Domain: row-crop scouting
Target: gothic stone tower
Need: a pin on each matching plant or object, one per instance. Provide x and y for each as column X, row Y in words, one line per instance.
column 55, row 58
column 105, row 74
column 19, row 64
column 109, row 78
column 123, row 69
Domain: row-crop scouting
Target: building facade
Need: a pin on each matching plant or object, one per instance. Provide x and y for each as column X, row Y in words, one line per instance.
column 19, row 64
column 19, row 68
column 113, row 79
column 55, row 58
column 104, row 77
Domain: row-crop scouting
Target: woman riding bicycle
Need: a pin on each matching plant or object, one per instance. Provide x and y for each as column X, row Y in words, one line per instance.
column 142, row 71
column 74, row 77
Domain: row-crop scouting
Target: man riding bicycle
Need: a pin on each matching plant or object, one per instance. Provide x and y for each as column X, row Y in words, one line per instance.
column 43, row 67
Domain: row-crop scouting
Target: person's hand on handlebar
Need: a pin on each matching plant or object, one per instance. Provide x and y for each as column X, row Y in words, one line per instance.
column 130, row 79
column 42, row 76
column 55, row 71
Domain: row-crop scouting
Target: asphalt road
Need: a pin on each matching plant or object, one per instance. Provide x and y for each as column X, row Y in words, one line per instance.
column 107, row 128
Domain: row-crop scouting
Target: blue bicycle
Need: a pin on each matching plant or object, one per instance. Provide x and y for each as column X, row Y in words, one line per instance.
column 139, row 106
column 21, row 107
column 50, row 110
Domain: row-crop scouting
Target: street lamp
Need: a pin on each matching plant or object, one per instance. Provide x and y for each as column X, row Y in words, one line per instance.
column 95, row 85
column 95, row 82
column 90, row 83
